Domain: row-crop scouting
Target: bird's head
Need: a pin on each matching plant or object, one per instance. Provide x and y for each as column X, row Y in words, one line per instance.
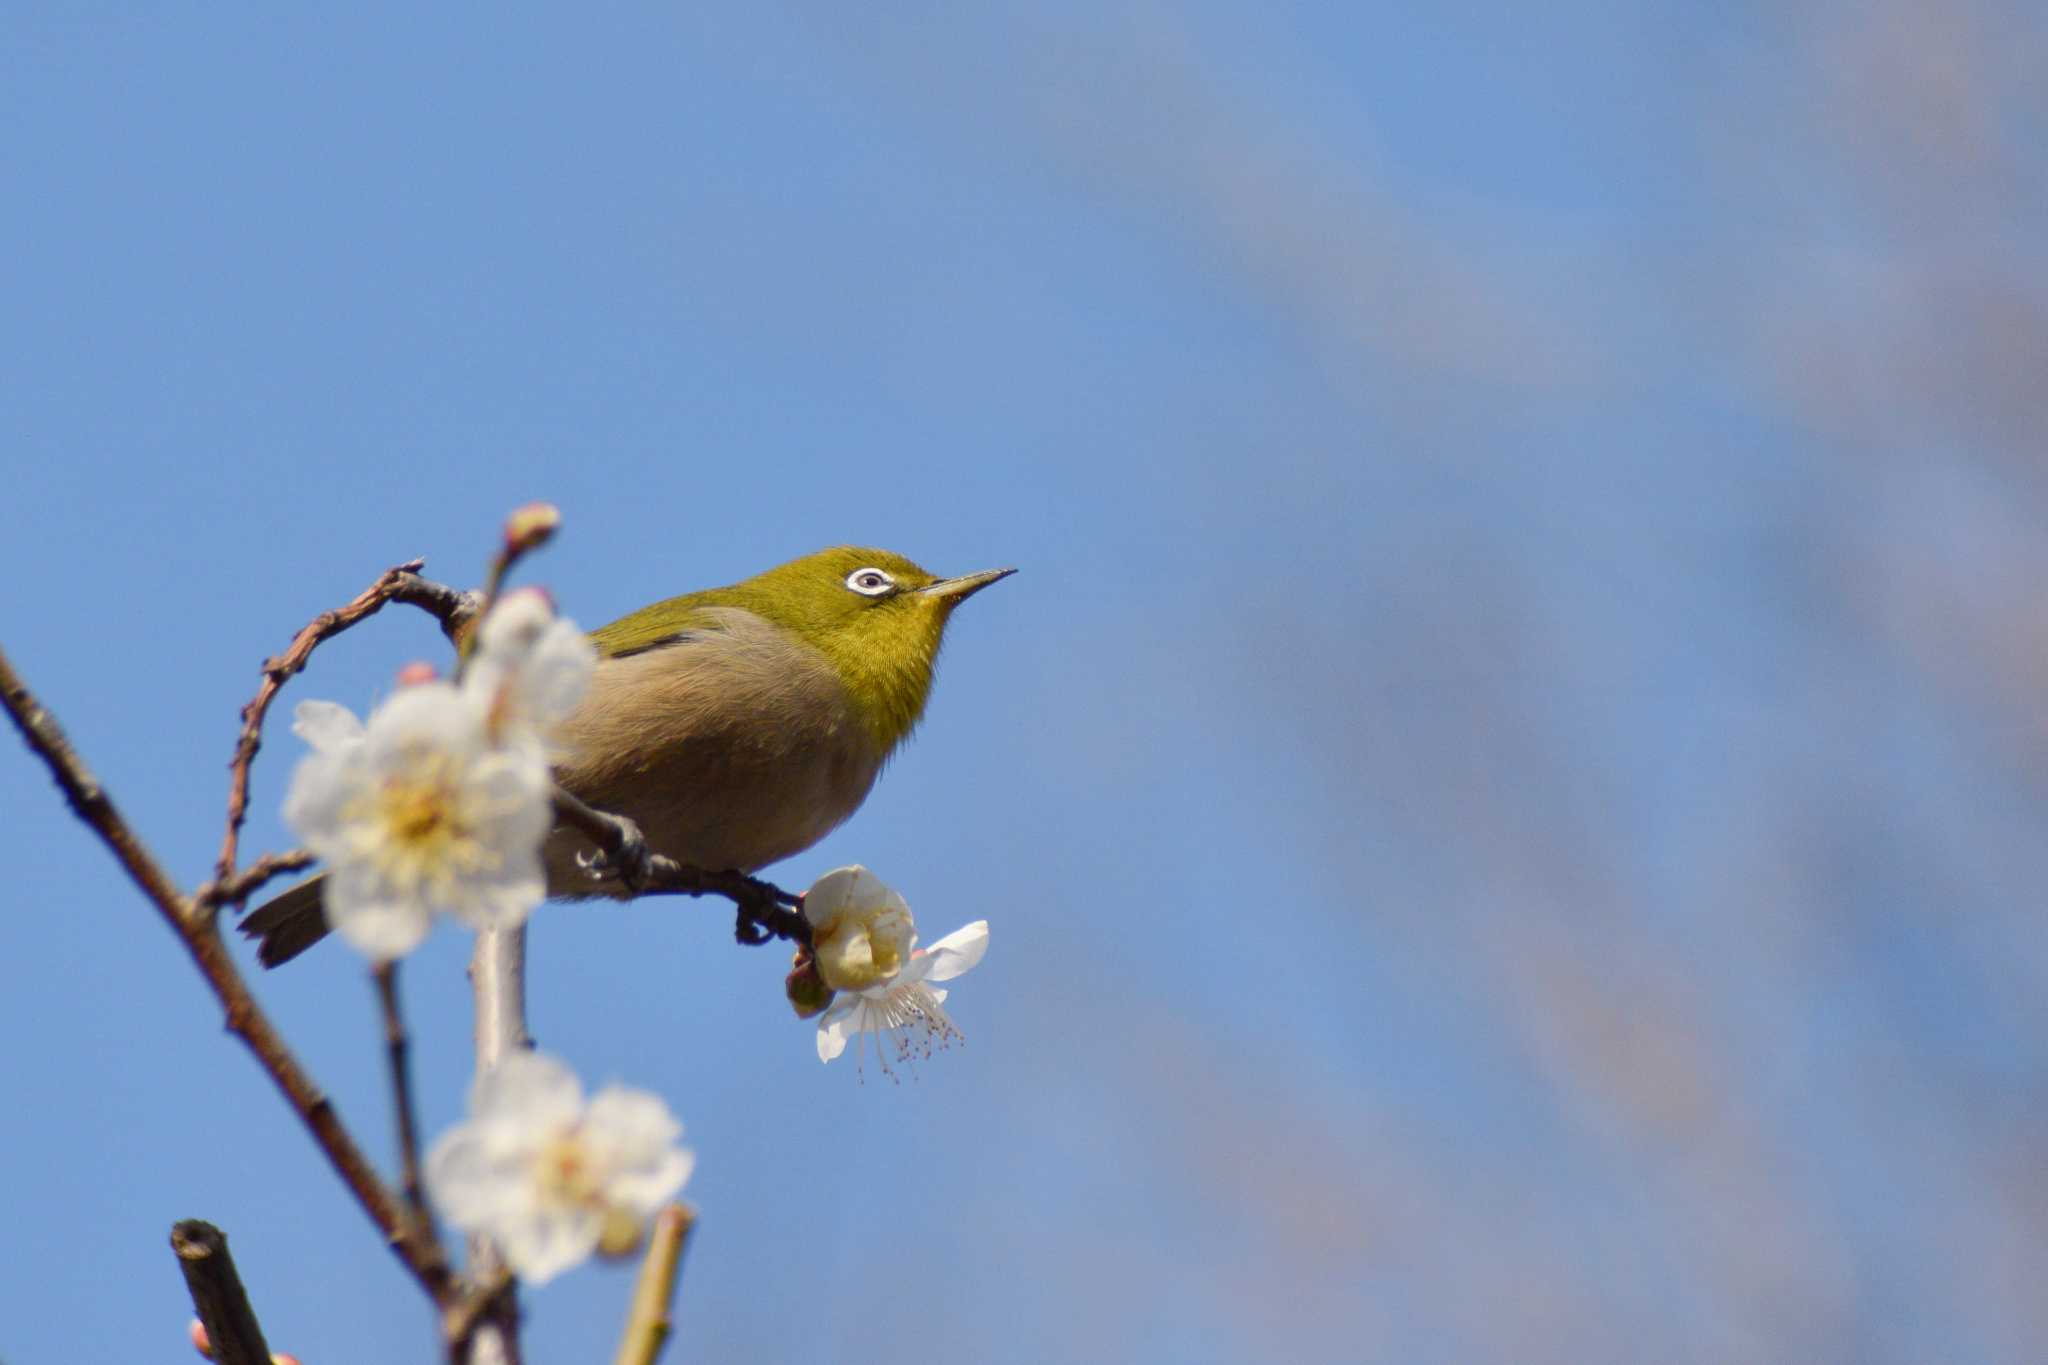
column 878, row 617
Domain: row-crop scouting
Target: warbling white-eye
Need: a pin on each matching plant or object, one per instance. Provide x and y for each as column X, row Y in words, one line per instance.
column 736, row 726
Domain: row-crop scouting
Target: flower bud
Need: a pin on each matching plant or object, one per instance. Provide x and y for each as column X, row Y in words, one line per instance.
column 414, row 673
column 204, row 1345
column 808, row 994
column 531, row 526
column 621, row 1234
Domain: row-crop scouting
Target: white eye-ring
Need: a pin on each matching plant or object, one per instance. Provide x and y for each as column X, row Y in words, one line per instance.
column 870, row 582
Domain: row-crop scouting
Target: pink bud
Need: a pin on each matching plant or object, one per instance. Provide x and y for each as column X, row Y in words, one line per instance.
column 531, row 526
column 547, row 598
column 202, row 1344
column 415, row 673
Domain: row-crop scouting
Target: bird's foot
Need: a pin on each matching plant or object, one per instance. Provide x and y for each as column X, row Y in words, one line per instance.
column 767, row 913
column 627, row 859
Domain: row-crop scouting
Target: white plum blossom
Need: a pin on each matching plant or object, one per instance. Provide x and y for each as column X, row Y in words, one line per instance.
column 530, row 667
column 441, row 801
column 861, row 929
column 864, row 943
column 905, row 1010
column 417, row 812
column 548, row 1175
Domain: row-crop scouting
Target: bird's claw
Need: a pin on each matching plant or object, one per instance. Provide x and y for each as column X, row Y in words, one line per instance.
column 631, row 862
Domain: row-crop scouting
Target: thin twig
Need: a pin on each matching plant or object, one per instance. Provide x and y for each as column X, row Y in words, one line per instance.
column 251, row 879
column 232, row 1332
column 398, row 1050
column 526, row 530
column 399, row 584
column 454, row 608
column 198, row 930
column 650, row 1320
column 765, row 909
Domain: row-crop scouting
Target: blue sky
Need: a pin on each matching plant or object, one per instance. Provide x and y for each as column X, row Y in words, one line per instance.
column 1507, row 789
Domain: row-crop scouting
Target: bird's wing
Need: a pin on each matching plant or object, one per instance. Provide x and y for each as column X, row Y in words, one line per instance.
column 671, row 622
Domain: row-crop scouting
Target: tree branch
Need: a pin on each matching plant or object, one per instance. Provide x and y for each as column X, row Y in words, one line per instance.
column 248, row 882
column 232, row 1332
column 197, row 929
column 650, row 1319
column 399, row 584
column 497, row 978
column 396, row 1048
column 765, row 909
column 88, row 800
column 477, row 1305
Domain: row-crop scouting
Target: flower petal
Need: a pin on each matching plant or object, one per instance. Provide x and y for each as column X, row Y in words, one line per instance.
column 369, row 917
column 637, row 1135
column 538, row 1091
column 504, row 897
column 556, row 675
column 431, row 715
column 465, row 1175
column 322, row 785
column 836, row 1025
column 546, row 1243
column 530, row 668
column 632, row 1120
column 956, row 952
column 327, row 726
column 832, row 893
column 515, row 622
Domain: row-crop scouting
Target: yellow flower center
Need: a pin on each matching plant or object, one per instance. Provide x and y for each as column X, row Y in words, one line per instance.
column 418, row 827
column 565, row 1172
column 416, row 813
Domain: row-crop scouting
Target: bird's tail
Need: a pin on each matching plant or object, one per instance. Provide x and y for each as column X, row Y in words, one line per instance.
column 286, row 926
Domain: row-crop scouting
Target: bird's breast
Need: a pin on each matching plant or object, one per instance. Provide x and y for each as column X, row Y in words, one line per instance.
column 733, row 748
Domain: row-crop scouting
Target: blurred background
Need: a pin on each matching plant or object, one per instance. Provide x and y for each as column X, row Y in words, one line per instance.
column 1509, row 788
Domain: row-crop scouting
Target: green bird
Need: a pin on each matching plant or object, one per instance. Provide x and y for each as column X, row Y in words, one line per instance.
column 736, row 726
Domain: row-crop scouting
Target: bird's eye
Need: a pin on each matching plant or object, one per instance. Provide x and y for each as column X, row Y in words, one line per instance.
column 870, row 582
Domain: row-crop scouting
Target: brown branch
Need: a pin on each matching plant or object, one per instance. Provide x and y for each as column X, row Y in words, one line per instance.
column 650, row 1320
column 88, row 800
column 398, row 1050
column 765, row 909
column 252, row 879
column 453, row 608
column 232, row 1332
column 400, row 584
column 197, row 929
column 477, row 1305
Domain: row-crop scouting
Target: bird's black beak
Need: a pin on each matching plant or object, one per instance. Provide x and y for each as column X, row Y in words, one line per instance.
column 954, row 591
